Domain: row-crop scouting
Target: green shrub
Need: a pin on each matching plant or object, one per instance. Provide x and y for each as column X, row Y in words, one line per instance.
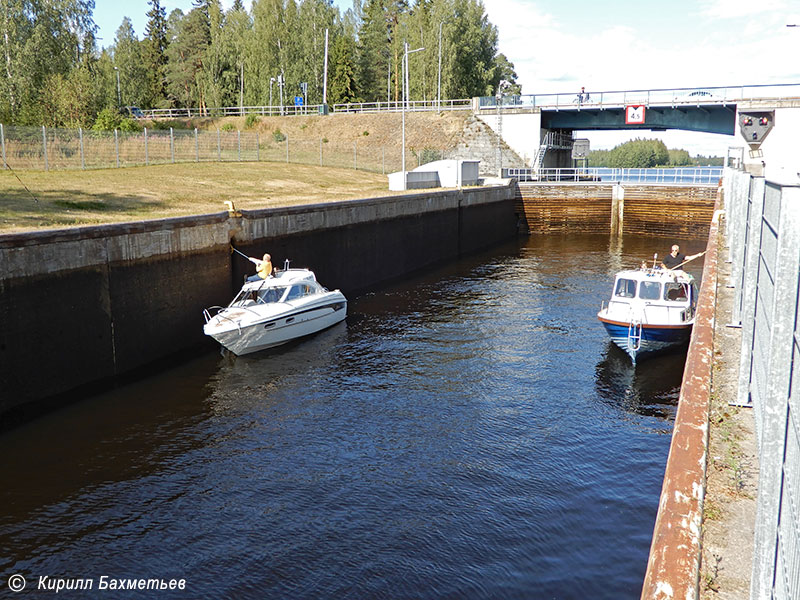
column 129, row 126
column 228, row 127
column 278, row 136
column 107, row 120
column 251, row 121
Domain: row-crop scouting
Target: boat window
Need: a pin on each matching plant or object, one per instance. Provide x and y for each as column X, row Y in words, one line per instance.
column 626, row 288
column 299, row 290
column 650, row 290
column 272, row 294
column 675, row 292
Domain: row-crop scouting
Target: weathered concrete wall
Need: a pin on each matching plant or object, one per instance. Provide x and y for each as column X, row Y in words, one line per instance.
column 84, row 305
column 679, row 211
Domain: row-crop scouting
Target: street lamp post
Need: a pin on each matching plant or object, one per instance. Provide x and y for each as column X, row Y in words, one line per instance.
column 406, row 52
column 119, row 96
column 271, row 81
column 439, row 92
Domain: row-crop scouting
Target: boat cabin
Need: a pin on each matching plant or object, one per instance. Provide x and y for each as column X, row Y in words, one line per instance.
column 287, row 286
column 657, row 295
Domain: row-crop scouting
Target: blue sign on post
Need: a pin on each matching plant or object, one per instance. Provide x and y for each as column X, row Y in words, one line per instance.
column 298, row 101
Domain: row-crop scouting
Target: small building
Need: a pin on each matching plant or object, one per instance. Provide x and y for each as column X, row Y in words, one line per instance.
column 451, row 173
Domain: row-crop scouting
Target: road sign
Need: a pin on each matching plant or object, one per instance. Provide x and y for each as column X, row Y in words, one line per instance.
column 298, row 101
column 634, row 114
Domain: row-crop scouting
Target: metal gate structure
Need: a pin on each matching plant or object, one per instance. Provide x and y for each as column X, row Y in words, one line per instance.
column 764, row 239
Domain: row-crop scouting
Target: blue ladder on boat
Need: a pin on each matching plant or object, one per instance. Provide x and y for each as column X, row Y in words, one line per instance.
column 634, row 335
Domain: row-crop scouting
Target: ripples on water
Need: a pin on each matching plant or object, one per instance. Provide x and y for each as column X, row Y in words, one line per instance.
column 469, row 433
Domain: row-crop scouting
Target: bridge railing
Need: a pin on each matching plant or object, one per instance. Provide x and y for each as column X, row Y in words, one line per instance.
column 666, row 96
column 678, row 175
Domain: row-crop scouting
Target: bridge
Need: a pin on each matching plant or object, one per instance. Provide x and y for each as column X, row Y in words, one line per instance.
column 541, row 127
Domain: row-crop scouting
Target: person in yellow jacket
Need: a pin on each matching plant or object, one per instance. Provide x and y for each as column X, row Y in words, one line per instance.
column 264, row 267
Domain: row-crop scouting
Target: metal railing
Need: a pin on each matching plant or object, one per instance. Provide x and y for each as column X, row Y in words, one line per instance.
column 677, row 175
column 304, row 110
column 764, row 237
column 666, row 96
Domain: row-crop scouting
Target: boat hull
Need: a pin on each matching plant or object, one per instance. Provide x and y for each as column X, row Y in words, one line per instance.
column 276, row 331
column 654, row 338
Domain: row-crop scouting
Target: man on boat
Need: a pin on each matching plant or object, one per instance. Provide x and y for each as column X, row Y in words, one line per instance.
column 263, row 267
column 675, row 258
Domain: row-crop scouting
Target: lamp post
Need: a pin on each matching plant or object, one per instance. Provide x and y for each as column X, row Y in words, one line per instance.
column 406, row 52
column 439, row 92
column 119, row 96
column 271, row 81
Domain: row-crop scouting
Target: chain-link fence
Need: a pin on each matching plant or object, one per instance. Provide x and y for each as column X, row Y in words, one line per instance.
column 764, row 236
column 46, row 149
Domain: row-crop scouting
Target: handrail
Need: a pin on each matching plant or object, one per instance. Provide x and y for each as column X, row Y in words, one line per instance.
column 660, row 96
column 686, row 175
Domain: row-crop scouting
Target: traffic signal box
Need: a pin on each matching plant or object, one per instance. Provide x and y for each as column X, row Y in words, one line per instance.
column 755, row 126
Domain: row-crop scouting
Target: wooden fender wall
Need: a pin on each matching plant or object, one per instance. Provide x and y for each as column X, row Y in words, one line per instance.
column 677, row 211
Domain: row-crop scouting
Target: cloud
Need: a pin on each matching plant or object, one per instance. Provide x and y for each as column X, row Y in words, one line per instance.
column 735, row 9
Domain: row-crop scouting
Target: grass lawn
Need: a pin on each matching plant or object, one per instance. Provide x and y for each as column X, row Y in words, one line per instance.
column 58, row 199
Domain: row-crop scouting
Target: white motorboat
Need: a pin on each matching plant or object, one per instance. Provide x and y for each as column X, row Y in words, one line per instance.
column 270, row 312
column 650, row 310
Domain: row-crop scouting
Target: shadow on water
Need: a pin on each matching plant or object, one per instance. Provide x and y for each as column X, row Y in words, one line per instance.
column 649, row 388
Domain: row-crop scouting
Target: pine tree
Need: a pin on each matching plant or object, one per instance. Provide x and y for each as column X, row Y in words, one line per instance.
column 154, row 54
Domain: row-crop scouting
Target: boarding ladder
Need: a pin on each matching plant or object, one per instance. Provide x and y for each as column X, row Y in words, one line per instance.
column 634, row 334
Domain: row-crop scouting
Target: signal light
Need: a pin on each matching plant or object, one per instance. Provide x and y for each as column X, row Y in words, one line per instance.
column 763, row 121
column 747, row 121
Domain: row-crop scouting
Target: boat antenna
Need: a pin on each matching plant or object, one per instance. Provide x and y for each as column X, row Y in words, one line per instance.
column 655, row 259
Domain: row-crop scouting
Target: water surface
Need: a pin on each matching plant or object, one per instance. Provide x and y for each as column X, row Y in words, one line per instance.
column 467, row 433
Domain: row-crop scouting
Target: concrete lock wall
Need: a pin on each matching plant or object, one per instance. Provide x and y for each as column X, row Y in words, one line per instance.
column 83, row 305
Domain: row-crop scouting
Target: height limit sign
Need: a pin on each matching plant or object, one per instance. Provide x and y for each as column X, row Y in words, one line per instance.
column 634, row 114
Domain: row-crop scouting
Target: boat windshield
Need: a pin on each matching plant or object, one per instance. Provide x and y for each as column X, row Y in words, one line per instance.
column 649, row 290
column 260, row 296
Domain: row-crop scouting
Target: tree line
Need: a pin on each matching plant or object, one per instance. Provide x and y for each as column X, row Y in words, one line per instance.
column 54, row 73
column 648, row 153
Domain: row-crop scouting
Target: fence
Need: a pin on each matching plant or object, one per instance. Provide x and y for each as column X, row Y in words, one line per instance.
column 48, row 148
column 764, row 237
column 682, row 175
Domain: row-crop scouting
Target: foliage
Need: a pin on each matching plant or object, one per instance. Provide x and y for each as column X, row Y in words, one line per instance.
column 251, row 121
column 644, row 154
column 278, row 136
column 210, row 57
column 108, row 120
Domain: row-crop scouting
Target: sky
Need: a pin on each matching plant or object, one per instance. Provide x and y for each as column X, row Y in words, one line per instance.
column 558, row 46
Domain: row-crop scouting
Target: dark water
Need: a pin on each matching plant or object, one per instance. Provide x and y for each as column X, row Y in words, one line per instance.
column 470, row 433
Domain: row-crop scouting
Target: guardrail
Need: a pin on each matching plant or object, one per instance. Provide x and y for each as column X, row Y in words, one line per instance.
column 304, row 110
column 666, row 96
column 764, row 236
column 679, row 175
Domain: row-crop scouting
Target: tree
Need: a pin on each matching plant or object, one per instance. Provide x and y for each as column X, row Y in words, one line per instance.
column 154, row 54
column 131, row 69
column 40, row 39
column 187, row 53
column 342, row 79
